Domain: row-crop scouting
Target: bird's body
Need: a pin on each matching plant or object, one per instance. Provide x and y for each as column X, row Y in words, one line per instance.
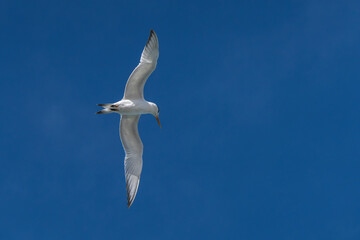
column 130, row 108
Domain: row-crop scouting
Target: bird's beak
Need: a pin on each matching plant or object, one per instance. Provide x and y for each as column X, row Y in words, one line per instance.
column 157, row 118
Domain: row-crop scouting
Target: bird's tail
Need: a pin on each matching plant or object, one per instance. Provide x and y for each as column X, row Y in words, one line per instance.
column 105, row 105
column 106, row 108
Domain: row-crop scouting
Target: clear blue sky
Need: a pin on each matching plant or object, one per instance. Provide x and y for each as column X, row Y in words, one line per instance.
column 259, row 108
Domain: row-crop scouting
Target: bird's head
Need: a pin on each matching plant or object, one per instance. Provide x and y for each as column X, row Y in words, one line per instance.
column 155, row 113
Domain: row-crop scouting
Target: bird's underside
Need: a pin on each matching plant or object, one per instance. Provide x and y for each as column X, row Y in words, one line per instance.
column 128, row 128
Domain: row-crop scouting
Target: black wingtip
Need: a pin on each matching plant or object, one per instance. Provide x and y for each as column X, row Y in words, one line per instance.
column 129, row 202
column 129, row 199
column 152, row 32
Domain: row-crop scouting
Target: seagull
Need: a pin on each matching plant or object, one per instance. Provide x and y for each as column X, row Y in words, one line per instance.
column 130, row 107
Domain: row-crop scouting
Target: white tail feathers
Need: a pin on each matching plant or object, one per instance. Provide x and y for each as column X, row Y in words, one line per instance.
column 105, row 105
column 106, row 109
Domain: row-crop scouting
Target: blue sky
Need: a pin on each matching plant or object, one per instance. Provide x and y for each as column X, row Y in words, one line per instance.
column 259, row 109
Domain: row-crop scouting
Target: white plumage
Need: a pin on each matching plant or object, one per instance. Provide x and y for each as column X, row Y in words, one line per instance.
column 131, row 107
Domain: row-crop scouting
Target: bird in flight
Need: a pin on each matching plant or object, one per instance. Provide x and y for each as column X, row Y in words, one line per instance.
column 130, row 107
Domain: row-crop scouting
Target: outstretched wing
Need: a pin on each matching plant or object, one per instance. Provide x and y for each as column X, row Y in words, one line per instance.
column 133, row 147
column 135, row 85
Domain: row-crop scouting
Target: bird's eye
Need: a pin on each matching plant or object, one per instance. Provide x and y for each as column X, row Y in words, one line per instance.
column 158, row 109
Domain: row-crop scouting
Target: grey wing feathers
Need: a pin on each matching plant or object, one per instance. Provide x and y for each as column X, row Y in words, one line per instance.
column 150, row 53
column 133, row 154
column 135, row 85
